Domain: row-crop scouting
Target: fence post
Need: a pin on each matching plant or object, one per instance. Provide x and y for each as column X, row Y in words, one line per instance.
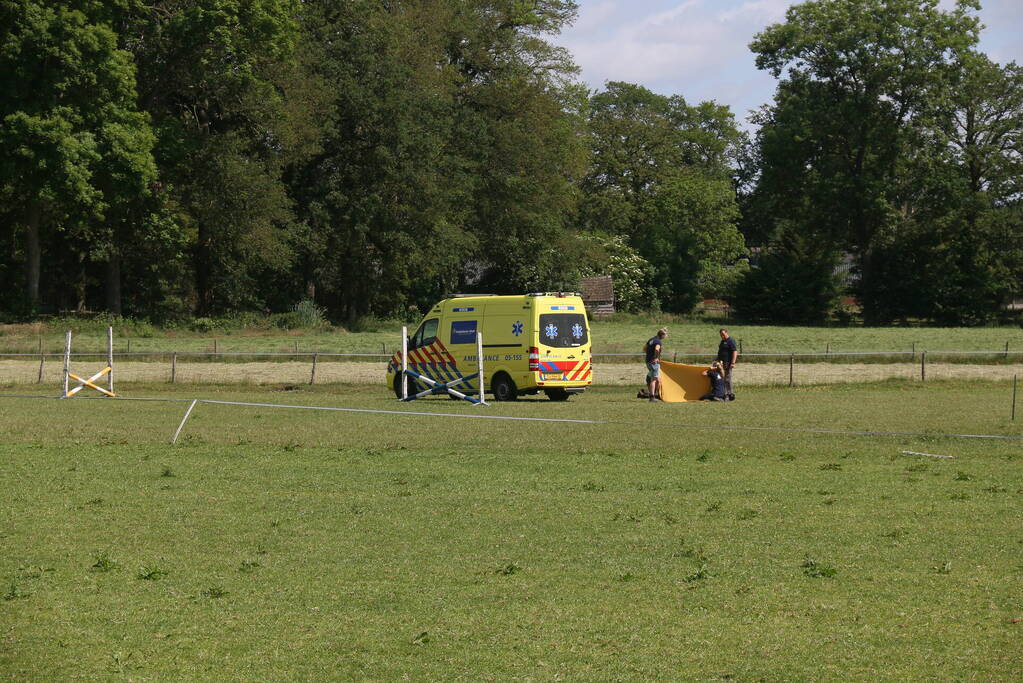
column 1006, row 350
column 312, row 377
column 174, row 367
column 792, row 363
column 110, row 359
column 914, row 351
column 1014, row 377
column 674, row 358
column 215, row 348
column 923, row 366
column 67, row 360
column 42, row 359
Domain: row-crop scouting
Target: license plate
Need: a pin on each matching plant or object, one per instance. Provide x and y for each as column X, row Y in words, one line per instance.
column 549, row 376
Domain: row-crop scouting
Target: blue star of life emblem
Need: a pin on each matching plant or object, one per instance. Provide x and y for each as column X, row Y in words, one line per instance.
column 577, row 331
column 551, row 331
column 517, row 329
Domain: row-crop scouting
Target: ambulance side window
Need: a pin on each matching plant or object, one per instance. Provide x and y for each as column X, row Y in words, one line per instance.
column 463, row 332
column 426, row 334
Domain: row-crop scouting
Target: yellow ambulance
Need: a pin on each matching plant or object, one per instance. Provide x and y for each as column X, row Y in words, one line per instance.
column 531, row 343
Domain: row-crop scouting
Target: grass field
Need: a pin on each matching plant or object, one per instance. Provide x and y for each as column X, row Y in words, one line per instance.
column 681, row 541
column 625, row 334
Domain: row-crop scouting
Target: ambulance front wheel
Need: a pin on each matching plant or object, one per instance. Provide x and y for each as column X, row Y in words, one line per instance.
column 503, row 388
column 397, row 386
column 557, row 394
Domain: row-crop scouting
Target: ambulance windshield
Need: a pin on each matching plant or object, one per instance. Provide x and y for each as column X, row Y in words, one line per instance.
column 563, row 330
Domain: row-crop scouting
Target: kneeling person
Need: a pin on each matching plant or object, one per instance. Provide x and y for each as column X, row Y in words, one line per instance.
column 716, row 374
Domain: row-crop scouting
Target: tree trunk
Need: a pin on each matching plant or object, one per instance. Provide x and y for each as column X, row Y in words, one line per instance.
column 32, row 255
column 82, row 287
column 203, row 273
column 114, row 285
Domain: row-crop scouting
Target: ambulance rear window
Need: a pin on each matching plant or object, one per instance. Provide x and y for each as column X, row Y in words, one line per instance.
column 563, row 330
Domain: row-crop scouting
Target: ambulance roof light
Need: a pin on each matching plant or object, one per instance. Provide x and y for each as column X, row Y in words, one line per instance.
column 459, row 296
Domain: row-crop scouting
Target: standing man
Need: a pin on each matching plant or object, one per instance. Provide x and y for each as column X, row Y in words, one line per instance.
column 653, row 363
column 727, row 354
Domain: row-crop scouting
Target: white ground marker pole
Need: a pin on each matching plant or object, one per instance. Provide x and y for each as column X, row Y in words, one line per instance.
column 404, row 363
column 180, row 426
column 479, row 357
column 110, row 359
column 67, row 360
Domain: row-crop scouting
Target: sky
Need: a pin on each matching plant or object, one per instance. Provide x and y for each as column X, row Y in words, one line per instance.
column 700, row 48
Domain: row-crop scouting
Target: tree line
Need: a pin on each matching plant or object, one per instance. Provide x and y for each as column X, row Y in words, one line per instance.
column 171, row 158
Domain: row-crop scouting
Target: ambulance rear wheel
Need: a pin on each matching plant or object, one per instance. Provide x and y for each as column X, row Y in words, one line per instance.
column 557, row 394
column 504, row 388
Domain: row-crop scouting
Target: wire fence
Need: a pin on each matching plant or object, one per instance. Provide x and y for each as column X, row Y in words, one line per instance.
column 754, row 369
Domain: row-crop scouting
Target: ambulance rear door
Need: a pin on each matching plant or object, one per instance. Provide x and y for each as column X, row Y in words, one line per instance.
column 564, row 343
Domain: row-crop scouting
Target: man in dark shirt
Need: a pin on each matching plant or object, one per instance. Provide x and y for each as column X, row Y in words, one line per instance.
column 653, row 364
column 727, row 354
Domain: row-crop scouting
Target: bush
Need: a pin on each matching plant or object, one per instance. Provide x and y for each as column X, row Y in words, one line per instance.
column 305, row 315
column 203, row 325
column 98, row 324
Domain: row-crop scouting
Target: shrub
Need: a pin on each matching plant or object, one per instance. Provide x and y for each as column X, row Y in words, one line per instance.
column 204, row 325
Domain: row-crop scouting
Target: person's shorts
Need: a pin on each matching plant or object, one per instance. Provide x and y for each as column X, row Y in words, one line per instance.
column 653, row 370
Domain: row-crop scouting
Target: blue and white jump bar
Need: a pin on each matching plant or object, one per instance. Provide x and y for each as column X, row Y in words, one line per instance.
column 440, row 387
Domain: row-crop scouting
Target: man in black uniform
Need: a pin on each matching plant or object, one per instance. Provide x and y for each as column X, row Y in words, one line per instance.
column 727, row 354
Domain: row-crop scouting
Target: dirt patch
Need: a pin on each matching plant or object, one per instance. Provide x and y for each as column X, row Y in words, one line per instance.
column 27, row 372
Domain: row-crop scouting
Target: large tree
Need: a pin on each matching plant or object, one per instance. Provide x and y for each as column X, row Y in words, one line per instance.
column 447, row 158
column 861, row 82
column 215, row 76
column 661, row 174
column 955, row 248
column 75, row 151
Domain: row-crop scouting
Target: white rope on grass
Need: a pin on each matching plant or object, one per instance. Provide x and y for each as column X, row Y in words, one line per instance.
column 477, row 416
column 930, row 455
column 100, row 398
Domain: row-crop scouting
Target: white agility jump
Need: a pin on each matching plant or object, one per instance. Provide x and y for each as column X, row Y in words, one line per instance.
column 436, row 387
column 91, row 381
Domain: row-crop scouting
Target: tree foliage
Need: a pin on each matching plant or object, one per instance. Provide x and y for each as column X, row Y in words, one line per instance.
column 660, row 175
column 887, row 140
column 75, row 150
column 178, row 157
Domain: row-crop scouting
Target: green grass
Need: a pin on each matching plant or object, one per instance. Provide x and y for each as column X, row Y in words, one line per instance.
column 692, row 337
column 624, row 335
column 296, row 545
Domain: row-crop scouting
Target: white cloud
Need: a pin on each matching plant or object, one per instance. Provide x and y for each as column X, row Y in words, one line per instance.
column 699, row 48
column 663, row 47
